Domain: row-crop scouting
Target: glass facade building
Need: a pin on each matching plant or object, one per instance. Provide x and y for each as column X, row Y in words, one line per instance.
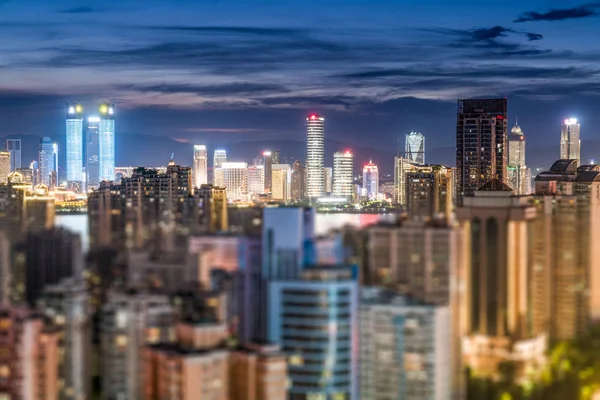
column 106, row 140
column 343, row 174
column 314, row 319
column 570, row 143
column 315, row 156
column 92, row 153
column 371, row 180
column 415, row 148
column 200, row 166
column 74, row 147
column 13, row 146
column 46, row 161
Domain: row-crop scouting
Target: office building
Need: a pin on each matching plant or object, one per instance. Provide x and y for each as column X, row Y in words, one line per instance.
column 315, row 156
column 429, row 190
column 276, row 159
column 130, row 321
column 12, row 210
column 415, row 148
column 500, row 282
column 570, row 143
column 106, row 140
column 46, row 162
column 107, row 217
column 195, row 366
column 328, row 176
column 401, row 167
column 267, row 163
column 28, row 356
column 280, row 182
column 200, row 171
column 518, row 175
column 258, row 372
column 74, row 145
column 39, row 209
column 297, row 184
column 324, row 302
column 371, row 181
column 256, row 180
column 13, row 146
column 343, row 174
column 67, row 305
column 481, row 144
column 219, row 157
column 55, row 154
column 404, row 348
column 235, row 180
column 92, row 153
column 4, row 166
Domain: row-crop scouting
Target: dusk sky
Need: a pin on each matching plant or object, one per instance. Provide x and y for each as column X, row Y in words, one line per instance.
column 227, row 71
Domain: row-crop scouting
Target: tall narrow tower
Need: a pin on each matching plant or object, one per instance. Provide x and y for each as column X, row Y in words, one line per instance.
column 74, row 147
column 315, row 155
column 200, row 171
column 570, row 143
column 106, row 140
column 415, row 148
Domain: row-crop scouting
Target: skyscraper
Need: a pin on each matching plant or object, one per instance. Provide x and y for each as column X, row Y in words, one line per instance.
column 13, row 146
column 200, row 165
column 55, row 155
column 570, row 143
column 401, row 167
column 280, row 187
column 74, row 148
column 106, row 140
column 219, row 157
column 518, row 175
column 415, row 148
column 328, row 180
column 46, row 161
column 429, row 190
column 481, row 144
column 343, row 174
column 4, row 166
column 371, row 180
column 92, row 153
column 268, row 164
column 315, row 156
column 256, row 180
column 297, row 185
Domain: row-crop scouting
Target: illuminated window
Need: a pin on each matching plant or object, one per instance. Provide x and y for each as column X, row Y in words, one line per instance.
column 121, row 341
column 4, row 371
column 153, row 335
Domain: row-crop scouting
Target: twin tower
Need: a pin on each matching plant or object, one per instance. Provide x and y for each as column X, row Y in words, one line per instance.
column 90, row 158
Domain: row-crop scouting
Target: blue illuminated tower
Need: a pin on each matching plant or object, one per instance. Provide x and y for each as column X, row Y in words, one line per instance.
column 106, row 141
column 74, row 148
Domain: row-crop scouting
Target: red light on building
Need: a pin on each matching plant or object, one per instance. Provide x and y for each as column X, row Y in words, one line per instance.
column 500, row 117
column 313, row 116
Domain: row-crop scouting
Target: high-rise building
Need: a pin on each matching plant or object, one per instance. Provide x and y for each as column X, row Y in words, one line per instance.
column 212, row 203
column 570, row 143
column 429, row 190
column 268, row 170
column 219, row 157
column 404, row 348
column 29, row 356
column 106, row 140
column 13, row 146
column 55, row 155
column 4, row 166
column 401, row 167
column 328, row 180
column 415, row 148
column 324, row 302
column 518, row 175
column 74, row 147
column 481, row 144
column 46, row 162
column 258, row 372
column 276, row 159
column 280, row 186
column 200, row 171
column 315, row 156
column 256, row 180
column 371, row 180
column 67, row 305
column 235, row 180
column 39, row 209
column 92, row 153
column 297, row 184
column 130, row 321
column 343, row 174
column 500, row 282
column 5, row 268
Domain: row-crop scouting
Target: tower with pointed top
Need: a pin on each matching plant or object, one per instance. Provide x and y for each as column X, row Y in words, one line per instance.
column 371, row 180
column 518, row 175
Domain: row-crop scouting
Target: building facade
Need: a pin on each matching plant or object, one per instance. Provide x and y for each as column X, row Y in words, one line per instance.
column 280, row 183
column 570, row 143
column 46, row 162
column 74, row 144
column 106, row 142
column 200, row 170
column 401, row 167
column 429, row 190
column 518, row 175
column 343, row 174
column 371, row 181
column 481, row 144
column 315, row 156
column 13, row 146
column 92, row 153
column 235, row 180
column 4, row 166
column 415, row 148
column 297, row 184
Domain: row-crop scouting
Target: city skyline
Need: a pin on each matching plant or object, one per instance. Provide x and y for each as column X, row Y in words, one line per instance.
column 362, row 88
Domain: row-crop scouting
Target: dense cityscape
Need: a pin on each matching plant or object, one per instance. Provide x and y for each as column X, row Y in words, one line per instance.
column 210, row 281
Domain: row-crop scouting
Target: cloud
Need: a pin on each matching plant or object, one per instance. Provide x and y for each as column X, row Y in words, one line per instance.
column 534, row 36
column 233, row 88
column 583, row 11
column 79, row 10
column 489, row 33
column 231, row 29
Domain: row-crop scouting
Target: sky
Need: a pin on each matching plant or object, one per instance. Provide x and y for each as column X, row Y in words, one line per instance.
column 233, row 71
